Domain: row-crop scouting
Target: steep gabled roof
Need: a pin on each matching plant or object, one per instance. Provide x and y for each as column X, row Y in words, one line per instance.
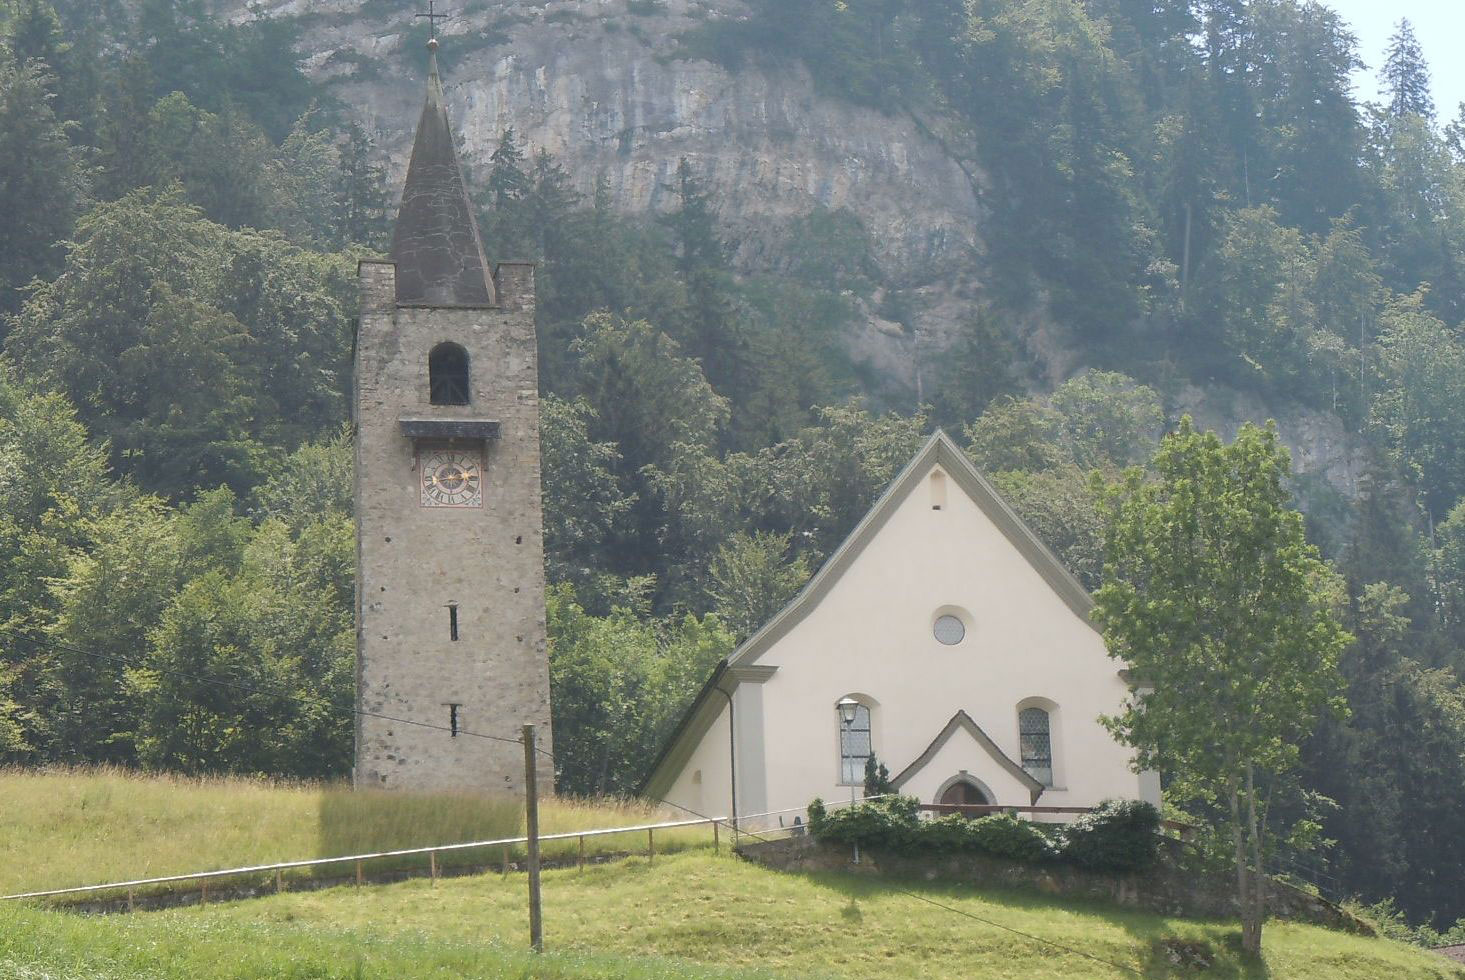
column 961, row 721
column 699, row 715
column 938, row 450
column 436, row 245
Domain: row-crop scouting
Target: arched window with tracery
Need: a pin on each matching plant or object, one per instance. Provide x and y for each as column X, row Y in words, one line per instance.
column 447, row 372
column 1035, row 735
column 855, row 746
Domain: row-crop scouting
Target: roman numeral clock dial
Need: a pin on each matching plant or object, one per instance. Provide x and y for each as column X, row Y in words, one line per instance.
column 452, row 478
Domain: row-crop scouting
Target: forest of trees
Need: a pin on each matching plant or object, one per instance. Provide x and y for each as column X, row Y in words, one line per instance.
column 1189, row 190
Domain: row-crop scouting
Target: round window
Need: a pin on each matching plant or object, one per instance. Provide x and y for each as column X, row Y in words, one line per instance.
column 949, row 630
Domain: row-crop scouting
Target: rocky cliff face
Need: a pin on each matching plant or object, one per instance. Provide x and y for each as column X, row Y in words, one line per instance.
column 604, row 86
column 601, row 85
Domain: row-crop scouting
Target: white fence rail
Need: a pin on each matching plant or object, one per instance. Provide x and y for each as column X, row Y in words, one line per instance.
column 432, row 852
column 278, row 868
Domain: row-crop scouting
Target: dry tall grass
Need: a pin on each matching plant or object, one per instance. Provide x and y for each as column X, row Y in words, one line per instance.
column 65, row 827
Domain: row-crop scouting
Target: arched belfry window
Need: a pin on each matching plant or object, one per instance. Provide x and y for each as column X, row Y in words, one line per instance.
column 447, row 372
column 1033, row 727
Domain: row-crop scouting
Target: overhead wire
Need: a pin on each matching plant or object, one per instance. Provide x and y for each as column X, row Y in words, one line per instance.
column 295, row 696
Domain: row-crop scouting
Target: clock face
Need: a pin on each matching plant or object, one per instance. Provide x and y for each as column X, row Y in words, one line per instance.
column 452, row 478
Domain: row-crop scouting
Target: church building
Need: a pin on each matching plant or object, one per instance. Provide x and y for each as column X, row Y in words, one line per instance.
column 450, row 620
column 943, row 637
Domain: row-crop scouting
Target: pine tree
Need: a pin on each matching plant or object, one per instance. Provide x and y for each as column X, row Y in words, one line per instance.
column 43, row 183
column 126, row 151
column 507, row 182
column 35, row 34
column 363, row 203
column 507, row 227
column 1407, row 75
column 711, row 331
column 693, row 224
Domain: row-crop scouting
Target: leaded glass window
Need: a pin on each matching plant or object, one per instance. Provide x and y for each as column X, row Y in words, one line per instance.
column 1037, row 745
column 854, row 747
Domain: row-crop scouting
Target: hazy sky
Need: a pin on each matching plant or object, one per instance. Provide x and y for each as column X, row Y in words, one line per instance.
column 1440, row 27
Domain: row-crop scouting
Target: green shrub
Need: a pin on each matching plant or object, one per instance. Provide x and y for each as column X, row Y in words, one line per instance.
column 946, row 834
column 893, row 824
column 1120, row 835
column 890, row 823
column 1002, row 835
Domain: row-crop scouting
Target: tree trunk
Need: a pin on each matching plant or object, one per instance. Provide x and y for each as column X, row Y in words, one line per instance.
column 1254, row 909
column 1238, row 840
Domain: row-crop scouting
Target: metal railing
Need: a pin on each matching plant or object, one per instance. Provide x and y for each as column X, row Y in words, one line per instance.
column 1184, row 830
column 432, row 852
column 280, row 867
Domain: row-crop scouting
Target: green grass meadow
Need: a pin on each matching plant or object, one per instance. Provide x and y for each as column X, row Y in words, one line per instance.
column 60, row 829
column 689, row 913
column 693, row 914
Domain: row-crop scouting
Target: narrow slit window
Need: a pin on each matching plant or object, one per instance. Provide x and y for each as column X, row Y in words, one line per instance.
column 447, row 372
column 453, row 719
column 938, row 490
column 453, row 621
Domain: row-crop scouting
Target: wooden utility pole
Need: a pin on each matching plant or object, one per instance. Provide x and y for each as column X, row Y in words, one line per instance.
column 531, row 831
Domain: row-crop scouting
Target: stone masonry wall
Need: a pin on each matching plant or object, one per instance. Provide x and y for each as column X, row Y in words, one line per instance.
column 413, row 560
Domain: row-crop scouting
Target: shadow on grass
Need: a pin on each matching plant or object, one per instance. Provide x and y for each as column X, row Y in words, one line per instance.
column 1173, row 946
column 369, row 821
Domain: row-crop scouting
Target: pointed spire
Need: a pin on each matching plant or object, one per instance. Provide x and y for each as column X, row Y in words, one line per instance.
column 436, row 245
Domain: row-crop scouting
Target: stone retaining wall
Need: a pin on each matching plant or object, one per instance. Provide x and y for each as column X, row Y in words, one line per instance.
column 1175, row 886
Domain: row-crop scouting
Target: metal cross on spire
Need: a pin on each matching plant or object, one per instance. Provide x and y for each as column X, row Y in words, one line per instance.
column 432, row 18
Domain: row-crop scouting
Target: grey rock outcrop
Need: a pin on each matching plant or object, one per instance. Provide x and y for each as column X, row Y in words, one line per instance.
column 606, row 87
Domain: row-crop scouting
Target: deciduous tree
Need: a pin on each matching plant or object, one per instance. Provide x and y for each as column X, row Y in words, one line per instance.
column 1223, row 611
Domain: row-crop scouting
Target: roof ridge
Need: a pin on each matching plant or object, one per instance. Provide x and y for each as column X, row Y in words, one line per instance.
column 938, row 448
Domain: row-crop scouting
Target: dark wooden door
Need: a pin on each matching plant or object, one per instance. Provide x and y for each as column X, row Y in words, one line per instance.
column 964, row 794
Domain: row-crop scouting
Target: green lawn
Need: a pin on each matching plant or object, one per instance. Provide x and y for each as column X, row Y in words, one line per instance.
column 82, row 827
column 688, row 914
column 692, row 914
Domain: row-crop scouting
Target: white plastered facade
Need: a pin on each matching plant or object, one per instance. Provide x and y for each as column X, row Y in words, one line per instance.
column 939, row 542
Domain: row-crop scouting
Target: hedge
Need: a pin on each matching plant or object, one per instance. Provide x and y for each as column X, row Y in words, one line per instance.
column 1119, row 835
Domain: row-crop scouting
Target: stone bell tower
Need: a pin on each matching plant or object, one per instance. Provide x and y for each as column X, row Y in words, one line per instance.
column 450, row 621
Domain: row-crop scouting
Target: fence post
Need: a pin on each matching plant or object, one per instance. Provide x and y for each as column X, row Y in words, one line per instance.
column 716, row 843
column 582, row 852
column 279, row 881
column 432, row 866
column 650, row 846
column 130, row 907
column 358, row 874
column 531, row 826
column 203, row 893
column 506, row 860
